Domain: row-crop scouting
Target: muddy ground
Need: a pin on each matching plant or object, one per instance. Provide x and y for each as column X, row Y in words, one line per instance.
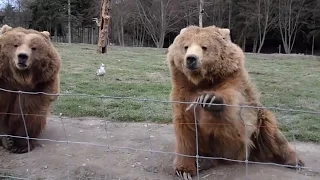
column 89, row 157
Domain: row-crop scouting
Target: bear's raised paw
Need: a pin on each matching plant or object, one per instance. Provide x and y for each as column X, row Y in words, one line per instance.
column 209, row 102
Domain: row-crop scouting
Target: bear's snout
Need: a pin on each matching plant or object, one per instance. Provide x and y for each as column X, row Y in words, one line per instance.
column 191, row 62
column 22, row 57
column 22, row 60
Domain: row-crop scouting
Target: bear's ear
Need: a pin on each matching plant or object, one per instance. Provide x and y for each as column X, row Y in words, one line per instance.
column 4, row 29
column 225, row 32
column 46, row 34
column 182, row 30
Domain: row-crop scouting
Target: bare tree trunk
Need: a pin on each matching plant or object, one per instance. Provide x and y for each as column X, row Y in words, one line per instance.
column 69, row 22
column 262, row 35
column 103, row 26
column 187, row 14
column 244, row 43
column 83, row 35
column 119, row 38
column 92, row 35
column 19, row 6
column 163, row 26
column 245, row 31
column 143, row 38
column 230, row 13
column 121, row 31
column 290, row 24
column 55, row 33
column 312, row 49
column 255, row 44
column 201, row 10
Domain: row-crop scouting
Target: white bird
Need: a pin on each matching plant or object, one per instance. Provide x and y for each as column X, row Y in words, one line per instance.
column 101, row 71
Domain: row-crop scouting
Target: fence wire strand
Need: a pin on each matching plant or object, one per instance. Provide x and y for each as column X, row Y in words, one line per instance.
column 25, row 128
column 197, row 141
column 159, row 101
column 106, row 129
column 108, row 146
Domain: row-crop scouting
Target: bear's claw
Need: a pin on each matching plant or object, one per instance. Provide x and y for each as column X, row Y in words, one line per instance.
column 208, row 102
column 18, row 150
column 296, row 166
column 184, row 175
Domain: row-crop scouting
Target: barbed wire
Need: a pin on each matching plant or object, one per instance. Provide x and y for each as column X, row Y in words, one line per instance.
column 151, row 150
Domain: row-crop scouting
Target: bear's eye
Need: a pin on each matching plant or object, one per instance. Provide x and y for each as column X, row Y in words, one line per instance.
column 204, row 48
column 33, row 49
column 16, row 45
column 186, row 47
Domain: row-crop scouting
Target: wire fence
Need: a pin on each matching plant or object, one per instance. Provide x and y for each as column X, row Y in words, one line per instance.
column 151, row 149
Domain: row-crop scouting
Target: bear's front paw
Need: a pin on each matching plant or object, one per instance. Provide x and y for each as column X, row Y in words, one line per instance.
column 21, row 149
column 295, row 162
column 185, row 168
column 184, row 175
column 205, row 164
column 209, row 102
column 7, row 142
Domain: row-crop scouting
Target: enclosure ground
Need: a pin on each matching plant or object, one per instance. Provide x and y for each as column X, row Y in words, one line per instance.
column 87, row 156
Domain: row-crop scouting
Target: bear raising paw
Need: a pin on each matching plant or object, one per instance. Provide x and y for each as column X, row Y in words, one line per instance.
column 209, row 101
column 207, row 69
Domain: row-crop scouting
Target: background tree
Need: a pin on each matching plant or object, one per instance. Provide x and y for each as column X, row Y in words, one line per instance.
column 256, row 25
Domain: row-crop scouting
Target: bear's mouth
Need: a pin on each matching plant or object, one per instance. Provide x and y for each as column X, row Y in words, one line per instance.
column 22, row 66
column 192, row 68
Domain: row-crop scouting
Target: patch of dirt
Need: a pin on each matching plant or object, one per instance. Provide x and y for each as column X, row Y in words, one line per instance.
column 87, row 156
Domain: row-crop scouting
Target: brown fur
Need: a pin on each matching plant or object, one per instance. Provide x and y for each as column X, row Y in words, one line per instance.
column 221, row 73
column 41, row 74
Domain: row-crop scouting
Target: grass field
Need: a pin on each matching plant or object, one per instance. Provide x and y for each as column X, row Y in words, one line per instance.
column 290, row 82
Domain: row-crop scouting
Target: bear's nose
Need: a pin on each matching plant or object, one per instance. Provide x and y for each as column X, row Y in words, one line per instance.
column 22, row 57
column 191, row 60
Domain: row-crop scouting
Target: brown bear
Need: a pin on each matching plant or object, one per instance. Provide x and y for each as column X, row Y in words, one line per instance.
column 207, row 68
column 28, row 63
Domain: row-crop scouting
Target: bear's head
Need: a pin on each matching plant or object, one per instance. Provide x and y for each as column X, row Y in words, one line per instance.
column 28, row 53
column 205, row 53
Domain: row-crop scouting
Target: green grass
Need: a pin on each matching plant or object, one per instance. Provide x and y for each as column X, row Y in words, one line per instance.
column 290, row 82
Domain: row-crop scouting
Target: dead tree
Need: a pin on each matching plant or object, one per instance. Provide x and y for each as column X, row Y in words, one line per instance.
column 69, row 22
column 103, row 26
column 201, row 11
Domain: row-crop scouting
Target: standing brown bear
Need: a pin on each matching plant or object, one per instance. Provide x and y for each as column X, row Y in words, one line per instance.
column 28, row 62
column 206, row 67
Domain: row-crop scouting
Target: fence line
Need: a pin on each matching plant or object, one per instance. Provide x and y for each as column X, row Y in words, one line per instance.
column 151, row 150
column 160, row 101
